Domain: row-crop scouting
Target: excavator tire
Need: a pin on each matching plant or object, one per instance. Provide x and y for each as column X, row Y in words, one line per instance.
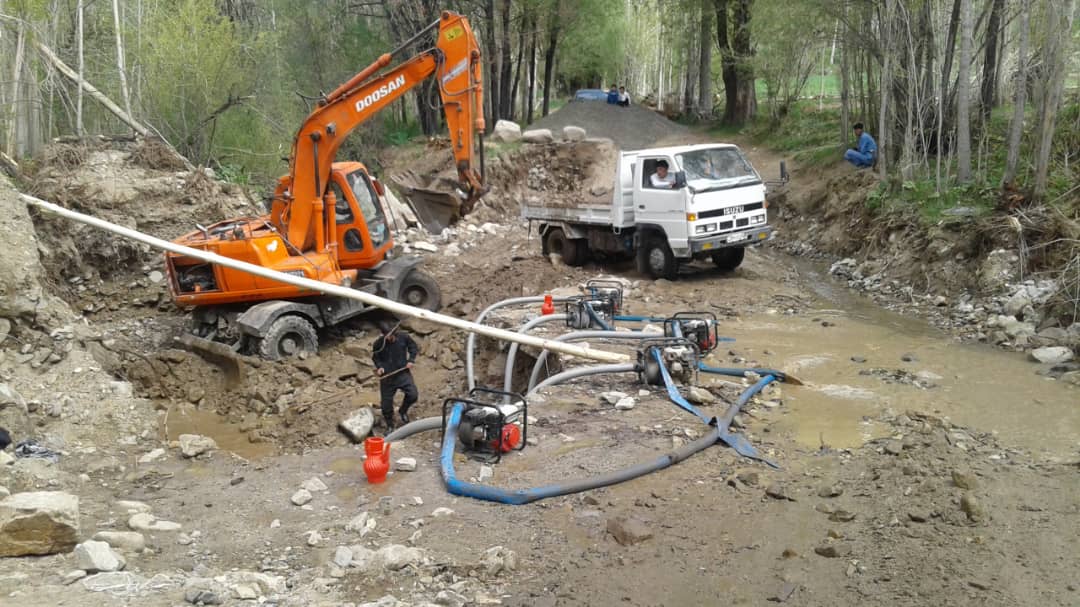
column 420, row 290
column 287, row 337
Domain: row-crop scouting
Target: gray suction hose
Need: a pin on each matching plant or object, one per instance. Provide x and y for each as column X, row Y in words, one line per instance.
column 577, row 372
column 512, row 354
column 578, row 336
column 470, row 342
column 414, row 427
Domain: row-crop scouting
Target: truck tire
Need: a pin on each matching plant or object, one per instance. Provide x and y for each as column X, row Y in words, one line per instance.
column 288, row 336
column 574, row 252
column 420, row 290
column 729, row 259
column 657, row 260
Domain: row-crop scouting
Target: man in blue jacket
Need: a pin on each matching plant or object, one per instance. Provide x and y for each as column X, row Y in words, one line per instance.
column 613, row 94
column 867, row 152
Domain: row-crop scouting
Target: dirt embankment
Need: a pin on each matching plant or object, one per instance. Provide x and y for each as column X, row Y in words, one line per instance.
column 997, row 279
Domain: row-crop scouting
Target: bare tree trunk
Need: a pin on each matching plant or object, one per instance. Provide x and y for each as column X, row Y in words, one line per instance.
column 660, row 68
column 963, row 95
column 505, row 62
column 549, row 56
column 79, row 93
column 950, row 48
column 531, row 96
column 1059, row 17
column 1016, row 129
column 16, row 73
column 121, row 66
column 988, row 93
column 845, row 84
column 884, row 136
column 705, row 63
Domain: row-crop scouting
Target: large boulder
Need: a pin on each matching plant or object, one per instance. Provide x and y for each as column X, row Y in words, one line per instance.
column 538, row 136
column 41, row 522
column 573, row 133
column 506, row 131
column 1052, row 355
column 194, row 445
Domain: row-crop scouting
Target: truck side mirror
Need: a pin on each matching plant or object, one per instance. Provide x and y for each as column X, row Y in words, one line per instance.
column 379, row 189
column 680, row 180
column 783, row 171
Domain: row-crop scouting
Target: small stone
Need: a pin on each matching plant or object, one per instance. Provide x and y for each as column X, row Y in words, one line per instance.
column 841, row 516
column 628, row 531
column 538, row 136
column 131, row 506
column 301, row 497
column 700, row 396
column 964, row 480
column 200, row 592
column 73, row 576
column 625, row 404
column 342, row 556
column 573, row 133
column 144, row 521
column 93, row 556
column 449, row 598
column 417, row 500
column 834, row 534
column 789, row 553
column 831, row 491
column 833, row 551
column 612, row 397
column 155, row 277
column 441, row 512
column 395, row 557
column 972, row 508
column 425, row 246
column 314, row 538
column 128, row 541
column 358, row 425
column 152, row 456
column 894, row 447
column 274, row 524
column 194, row 445
column 784, row 593
column 779, row 492
column 405, row 464
column 909, row 357
column 858, row 359
column 485, row 473
column 1052, row 355
column 314, row 485
column 498, row 559
column 919, row 516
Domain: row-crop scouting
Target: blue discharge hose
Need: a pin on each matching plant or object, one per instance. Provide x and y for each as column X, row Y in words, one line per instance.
column 737, row 372
column 717, row 432
column 596, row 318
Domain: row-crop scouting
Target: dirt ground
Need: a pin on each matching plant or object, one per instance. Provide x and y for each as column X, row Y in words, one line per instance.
column 913, row 469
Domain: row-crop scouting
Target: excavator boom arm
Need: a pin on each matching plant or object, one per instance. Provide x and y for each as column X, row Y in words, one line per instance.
column 455, row 63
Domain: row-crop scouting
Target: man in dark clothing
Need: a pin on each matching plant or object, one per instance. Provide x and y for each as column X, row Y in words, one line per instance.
column 394, row 354
column 613, row 95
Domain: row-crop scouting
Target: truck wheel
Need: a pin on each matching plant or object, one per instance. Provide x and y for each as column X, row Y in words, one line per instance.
column 288, row 336
column 574, row 252
column 729, row 259
column 657, row 260
column 420, row 290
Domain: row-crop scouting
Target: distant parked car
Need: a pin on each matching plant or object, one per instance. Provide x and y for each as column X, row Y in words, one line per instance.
column 590, row 95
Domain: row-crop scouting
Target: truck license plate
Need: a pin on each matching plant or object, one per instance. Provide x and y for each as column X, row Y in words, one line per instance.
column 738, row 237
column 733, row 210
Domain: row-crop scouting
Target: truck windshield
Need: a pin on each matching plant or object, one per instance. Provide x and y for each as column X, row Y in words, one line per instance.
column 715, row 168
column 369, row 206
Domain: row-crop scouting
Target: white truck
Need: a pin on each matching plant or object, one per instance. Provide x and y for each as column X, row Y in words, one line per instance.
column 713, row 207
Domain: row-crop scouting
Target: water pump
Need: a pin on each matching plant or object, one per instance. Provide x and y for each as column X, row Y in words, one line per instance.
column 699, row 327
column 679, row 355
column 493, row 423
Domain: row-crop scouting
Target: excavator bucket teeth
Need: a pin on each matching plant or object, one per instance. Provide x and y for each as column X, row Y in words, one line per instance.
column 438, row 202
column 230, row 363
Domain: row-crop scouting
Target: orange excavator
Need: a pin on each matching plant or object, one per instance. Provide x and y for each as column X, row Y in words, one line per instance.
column 327, row 220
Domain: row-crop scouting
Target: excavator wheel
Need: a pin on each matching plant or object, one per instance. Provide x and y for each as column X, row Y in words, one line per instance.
column 287, row 337
column 420, row 290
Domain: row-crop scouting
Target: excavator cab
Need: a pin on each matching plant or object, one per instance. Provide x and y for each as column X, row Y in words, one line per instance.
column 358, row 220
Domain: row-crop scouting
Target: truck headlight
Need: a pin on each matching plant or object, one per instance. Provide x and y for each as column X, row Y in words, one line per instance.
column 702, row 229
column 757, row 219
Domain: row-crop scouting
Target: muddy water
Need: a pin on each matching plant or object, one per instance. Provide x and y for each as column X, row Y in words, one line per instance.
column 979, row 386
column 189, row 420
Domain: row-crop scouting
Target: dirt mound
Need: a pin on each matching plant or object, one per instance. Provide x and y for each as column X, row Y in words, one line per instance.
column 555, row 174
column 136, row 184
column 631, row 128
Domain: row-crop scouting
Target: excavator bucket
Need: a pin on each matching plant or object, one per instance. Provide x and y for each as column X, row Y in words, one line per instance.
column 230, row 363
column 438, row 202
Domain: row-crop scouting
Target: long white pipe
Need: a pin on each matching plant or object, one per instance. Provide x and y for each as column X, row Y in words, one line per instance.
column 330, row 289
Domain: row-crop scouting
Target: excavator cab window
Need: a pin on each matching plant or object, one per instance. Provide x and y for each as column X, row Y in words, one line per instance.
column 367, row 200
column 342, row 212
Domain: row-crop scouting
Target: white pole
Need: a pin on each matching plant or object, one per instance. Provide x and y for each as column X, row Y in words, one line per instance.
column 331, row 289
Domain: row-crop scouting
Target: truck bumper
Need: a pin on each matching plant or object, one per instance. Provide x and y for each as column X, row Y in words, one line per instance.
column 741, row 238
